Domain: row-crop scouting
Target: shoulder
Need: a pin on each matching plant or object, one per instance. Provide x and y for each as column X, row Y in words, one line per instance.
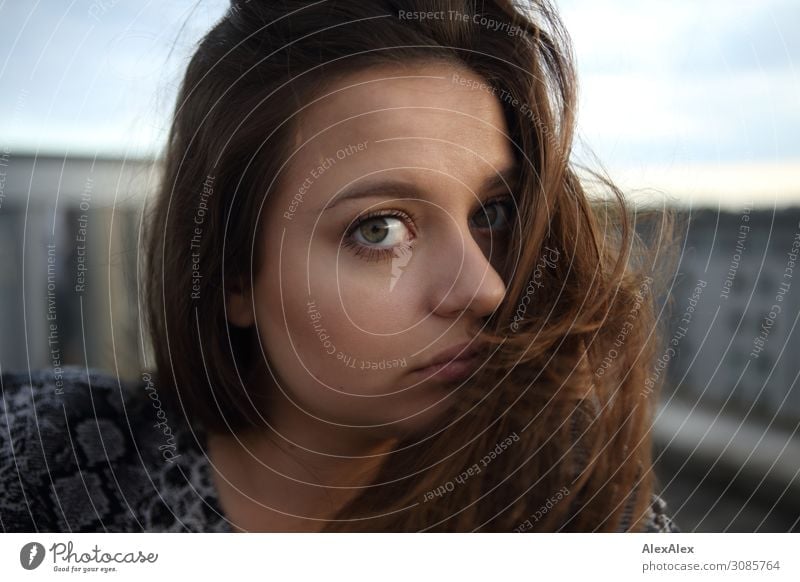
column 658, row 520
column 58, row 434
column 73, row 392
column 85, row 451
column 55, row 409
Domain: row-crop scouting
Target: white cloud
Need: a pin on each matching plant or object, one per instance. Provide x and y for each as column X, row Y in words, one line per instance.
column 663, row 83
column 728, row 185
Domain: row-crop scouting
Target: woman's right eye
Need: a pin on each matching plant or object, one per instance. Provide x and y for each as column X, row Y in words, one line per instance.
column 379, row 230
column 379, row 235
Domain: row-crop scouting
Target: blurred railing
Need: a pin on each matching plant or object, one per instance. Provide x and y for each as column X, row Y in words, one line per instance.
column 730, row 413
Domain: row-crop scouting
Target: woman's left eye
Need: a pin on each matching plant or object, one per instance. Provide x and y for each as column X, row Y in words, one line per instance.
column 495, row 214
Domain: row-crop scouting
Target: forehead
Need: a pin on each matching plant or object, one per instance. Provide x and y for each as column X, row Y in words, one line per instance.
column 391, row 98
column 437, row 116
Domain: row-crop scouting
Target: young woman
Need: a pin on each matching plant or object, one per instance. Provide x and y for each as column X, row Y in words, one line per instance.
column 378, row 294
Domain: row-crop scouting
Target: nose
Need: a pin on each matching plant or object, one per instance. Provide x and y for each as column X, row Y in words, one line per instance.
column 463, row 279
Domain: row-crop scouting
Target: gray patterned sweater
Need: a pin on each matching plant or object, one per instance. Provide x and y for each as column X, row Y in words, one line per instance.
column 91, row 454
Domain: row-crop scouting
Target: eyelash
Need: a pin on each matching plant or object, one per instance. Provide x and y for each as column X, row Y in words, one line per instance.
column 371, row 254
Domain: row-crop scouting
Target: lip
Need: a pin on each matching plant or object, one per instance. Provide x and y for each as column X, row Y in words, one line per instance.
column 452, row 364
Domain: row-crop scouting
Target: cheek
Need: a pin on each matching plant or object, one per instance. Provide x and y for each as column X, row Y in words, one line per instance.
column 335, row 345
column 367, row 300
column 338, row 373
column 323, row 322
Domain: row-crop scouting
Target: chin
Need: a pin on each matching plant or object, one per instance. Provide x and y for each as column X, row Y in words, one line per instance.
column 419, row 424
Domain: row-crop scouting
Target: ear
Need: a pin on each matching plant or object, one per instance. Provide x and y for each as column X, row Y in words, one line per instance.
column 239, row 304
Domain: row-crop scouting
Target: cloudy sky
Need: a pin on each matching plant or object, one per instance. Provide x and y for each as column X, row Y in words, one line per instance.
column 696, row 99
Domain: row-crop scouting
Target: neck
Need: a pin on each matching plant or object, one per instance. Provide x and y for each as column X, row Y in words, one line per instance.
column 294, row 474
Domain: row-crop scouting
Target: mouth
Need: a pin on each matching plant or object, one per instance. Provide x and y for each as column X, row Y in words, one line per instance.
column 455, row 370
column 455, row 363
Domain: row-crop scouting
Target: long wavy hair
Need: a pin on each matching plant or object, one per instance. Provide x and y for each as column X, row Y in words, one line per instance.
column 562, row 406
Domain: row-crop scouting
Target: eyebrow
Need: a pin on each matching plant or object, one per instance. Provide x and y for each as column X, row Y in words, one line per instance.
column 395, row 188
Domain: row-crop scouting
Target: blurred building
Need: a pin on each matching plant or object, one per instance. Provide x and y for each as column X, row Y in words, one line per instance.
column 68, row 239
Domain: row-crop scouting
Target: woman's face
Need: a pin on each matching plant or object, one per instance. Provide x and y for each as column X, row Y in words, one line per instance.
column 377, row 252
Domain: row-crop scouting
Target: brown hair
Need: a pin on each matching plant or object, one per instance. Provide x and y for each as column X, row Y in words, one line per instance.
column 563, row 395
